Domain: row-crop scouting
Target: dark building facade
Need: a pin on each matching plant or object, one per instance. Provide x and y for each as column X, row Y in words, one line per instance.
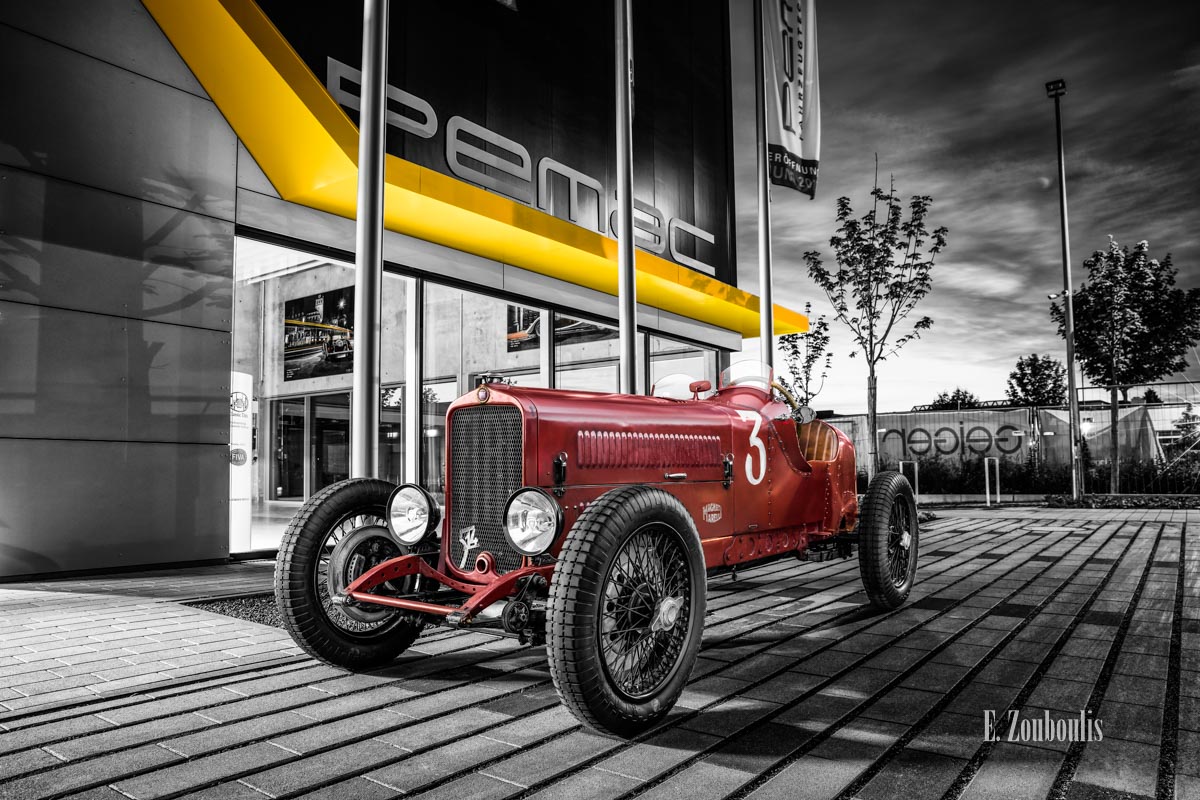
column 174, row 340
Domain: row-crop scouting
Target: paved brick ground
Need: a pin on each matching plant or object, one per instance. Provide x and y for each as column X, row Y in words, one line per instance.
column 242, row 577
column 58, row 648
column 800, row 692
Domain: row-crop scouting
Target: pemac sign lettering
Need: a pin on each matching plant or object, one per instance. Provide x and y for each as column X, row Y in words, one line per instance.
column 468, row 144
column 951, row 440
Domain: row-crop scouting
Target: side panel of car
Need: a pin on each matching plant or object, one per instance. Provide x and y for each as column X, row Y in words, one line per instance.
column 612, row 440
column 733, row 461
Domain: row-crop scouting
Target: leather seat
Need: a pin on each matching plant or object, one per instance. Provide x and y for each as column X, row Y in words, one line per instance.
column 817, row 440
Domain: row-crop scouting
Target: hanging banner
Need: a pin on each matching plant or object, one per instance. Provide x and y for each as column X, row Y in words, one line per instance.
column 793, row 96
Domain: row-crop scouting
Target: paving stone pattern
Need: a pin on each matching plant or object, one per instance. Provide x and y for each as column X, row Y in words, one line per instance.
column 800, row 690
column 193, row 583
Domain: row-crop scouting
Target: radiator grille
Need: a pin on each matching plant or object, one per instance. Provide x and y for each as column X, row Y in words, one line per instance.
column 485, row 469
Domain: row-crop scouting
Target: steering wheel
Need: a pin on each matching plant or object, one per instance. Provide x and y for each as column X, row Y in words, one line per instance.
column 777, row 386
column 802, row 414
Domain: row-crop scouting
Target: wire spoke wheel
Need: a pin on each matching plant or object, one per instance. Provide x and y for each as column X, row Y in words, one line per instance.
column 626, row 609
column 337, row 536
column 355, row 544
column 899, row 542
column 644, row 618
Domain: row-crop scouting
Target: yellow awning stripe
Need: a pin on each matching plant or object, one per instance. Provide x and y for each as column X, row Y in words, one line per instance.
column 308, row 148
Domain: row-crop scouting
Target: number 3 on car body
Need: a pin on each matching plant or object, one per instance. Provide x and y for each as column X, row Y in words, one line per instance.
column 756, row 443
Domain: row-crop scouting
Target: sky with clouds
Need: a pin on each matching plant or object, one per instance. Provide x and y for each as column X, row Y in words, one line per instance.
column 951, row 96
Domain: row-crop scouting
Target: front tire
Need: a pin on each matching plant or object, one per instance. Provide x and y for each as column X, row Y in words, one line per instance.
column 888, row 534
column 626, row 610
column 337, row 535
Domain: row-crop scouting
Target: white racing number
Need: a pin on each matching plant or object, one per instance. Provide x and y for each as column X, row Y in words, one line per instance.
column 756, row 443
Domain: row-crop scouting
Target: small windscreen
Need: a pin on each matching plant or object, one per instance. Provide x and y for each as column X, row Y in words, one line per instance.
column 675, row 386
column 753, row 374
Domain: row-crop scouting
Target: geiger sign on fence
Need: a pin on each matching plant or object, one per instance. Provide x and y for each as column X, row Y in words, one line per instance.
column 944, row 434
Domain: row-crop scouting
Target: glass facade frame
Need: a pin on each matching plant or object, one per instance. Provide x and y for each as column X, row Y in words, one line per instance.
column 461, row 334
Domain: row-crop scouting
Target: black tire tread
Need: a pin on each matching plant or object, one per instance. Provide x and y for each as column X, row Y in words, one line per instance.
column 882, row 493
column 302, row 616
column 574, row 594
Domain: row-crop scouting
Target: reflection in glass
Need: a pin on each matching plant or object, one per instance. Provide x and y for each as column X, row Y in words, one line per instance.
column 391, row 433
column 435, row 401
column 331, row 439
column 468, row 335
column 668, row 356
column 287, row 455
column 300, row 374
column 587, row 355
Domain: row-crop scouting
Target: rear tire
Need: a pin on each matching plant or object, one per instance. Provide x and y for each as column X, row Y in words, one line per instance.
column 336, row 536
column 626, row 611
column 888, row 534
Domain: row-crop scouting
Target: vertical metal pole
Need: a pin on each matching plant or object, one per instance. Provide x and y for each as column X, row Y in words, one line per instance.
column 1068, row 303
column 368, row 240
column 414, row 326
column 987, row 485
column 1114, row 445
column 626, row 270
column 766, row 309
column 987, row 464
column 546, row 354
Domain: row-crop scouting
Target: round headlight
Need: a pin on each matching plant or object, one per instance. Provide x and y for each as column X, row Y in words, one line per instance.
column 532, row 521
column 412, row 514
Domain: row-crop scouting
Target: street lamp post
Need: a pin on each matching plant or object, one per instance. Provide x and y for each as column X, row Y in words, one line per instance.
column 1056, row 89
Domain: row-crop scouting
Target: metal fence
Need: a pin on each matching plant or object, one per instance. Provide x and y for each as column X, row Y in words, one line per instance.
column 1157, row 437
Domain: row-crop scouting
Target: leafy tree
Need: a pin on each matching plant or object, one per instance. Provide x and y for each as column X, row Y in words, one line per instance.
column 959, row 398
column 804, row 354
column 883, row 270
column 1132, row 325
column 1037, row 381
column 1151, row 398
column 1188, row 426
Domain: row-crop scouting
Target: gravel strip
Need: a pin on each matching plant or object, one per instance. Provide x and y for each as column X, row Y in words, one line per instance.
column 256, row 608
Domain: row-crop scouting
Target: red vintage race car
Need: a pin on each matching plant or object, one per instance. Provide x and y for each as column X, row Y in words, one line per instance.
column 589, row 522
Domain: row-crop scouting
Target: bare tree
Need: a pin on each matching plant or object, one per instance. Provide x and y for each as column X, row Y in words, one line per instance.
column 803, row 354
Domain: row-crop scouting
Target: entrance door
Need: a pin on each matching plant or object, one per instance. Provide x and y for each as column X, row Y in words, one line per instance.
column 330, row 439
column 287, row 459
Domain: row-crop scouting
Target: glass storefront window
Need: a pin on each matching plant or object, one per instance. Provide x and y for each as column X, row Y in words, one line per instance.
column 330, row 428
column 287, row 454
column 312, row 442
column 668, row 356
column 435, row 402
column 587, row 355
column 394, row 344
column 293, row 351
column 468, row 335
column 391, row 433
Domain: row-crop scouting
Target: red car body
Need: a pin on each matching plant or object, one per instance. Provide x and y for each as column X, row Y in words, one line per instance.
column 755, row 482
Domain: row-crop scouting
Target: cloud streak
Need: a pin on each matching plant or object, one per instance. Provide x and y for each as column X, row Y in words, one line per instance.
column 950, row 96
